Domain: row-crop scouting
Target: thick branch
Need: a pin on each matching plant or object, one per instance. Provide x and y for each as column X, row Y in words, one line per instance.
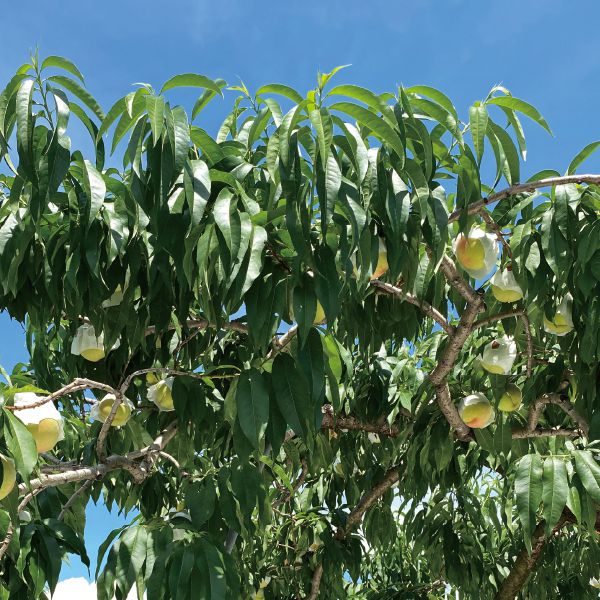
column 525, row 562
column 520, row 188
column 315, row 583
column 446, row 363
column 96, row 471
column 563, row 403
column 457, row 281
column 430, row 311
column 367, row 501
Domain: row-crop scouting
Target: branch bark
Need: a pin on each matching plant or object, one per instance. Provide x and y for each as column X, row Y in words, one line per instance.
column 430, row 311
column 520, row 188
column 446, row 363
column 315, row 583
column 367, row 501
column 525, row 562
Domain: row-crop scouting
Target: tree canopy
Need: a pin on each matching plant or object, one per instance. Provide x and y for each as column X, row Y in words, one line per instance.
column 337, row 350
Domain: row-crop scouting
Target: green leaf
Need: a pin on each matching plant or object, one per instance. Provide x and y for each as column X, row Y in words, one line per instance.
column 583, row 155
column 155, row 105
column 292, row 394
column 555, row 490
column 522, row 107
column 281, row 90
column 80, row 92
column 528, row 490
column 252, row 400
column 589, row 472
column 478, row 120
column 435, row 95
column 21, row 444
column 511, row 154
column 25, row 122
column 197, row 188
column 206, row 97
column 358, row 93
column 192, row 80
column 95, row 189
column 62, row 63
column 200, row 498
column 376, row 124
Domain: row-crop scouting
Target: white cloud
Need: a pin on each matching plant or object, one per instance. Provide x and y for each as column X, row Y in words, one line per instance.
column 80, row 588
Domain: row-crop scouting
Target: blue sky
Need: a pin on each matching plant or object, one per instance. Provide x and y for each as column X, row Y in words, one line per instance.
column 547, row 52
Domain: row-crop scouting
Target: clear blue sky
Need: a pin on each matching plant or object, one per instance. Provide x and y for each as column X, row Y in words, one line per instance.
column 544, row 51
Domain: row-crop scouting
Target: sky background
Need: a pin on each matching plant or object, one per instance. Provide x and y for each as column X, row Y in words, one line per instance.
column 546, row 52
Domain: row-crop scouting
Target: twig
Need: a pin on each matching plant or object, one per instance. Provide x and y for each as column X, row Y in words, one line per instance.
column 529, row 340
column 493, row 226
column 10, row 531
column 430, row 311
column 520, row 188
column 77, row 385
column 485, row 321
column 297, row 484
column 80, row 490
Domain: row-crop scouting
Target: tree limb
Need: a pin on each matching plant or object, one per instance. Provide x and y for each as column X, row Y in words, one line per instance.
column 520, row 188
column 446, row 363
column 367, row 501
column 80, row 490
column 525, row 562
column 430, row 311
column 315, row 582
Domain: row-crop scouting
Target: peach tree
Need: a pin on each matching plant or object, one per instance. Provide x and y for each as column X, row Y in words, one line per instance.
column 340, row 348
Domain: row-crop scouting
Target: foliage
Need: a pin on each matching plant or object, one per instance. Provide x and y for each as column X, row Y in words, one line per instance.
column 315, row 457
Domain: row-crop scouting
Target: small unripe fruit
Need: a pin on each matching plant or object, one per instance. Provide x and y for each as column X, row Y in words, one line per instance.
column 102, row 409
column 382, row 261
column 320, row 314
column 44, row 421
column 9, row 476
column 511, row 399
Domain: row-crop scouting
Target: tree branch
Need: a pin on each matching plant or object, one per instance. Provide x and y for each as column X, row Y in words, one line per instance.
column 80, row 490
column 430, row 311
column 10, row 531
column 563, row 403
column 525, row 562
column 493, row 226
column 520, row 188
column 529, row 341
column 316, row 582
column 367, row 501
column 446, row 363
column 457, row 281
column 485, row 321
